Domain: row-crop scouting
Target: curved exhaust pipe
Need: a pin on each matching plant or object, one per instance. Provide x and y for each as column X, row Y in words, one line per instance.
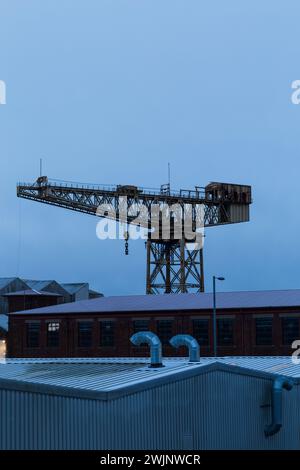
column 190, row 342
column 155, row 346
column 279, row 384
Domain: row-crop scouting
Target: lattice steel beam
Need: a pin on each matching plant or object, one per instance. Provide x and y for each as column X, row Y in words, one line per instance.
column 171, row 266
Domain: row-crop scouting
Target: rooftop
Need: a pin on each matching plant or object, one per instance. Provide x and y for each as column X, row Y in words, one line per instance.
column 108, row 378
column 4, row 281
column 175, row 302
column 30, row 293
column 43, row 284
column 72, row 288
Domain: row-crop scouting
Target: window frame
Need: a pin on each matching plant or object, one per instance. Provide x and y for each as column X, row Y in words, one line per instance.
column 289, row 318
column 256, row 321
column 164, row 340
column 138, row 330
column 53, row 322
column 196, row 336
column 88, row 322
column 231, row 344
column 28, row 324
column 113, row 324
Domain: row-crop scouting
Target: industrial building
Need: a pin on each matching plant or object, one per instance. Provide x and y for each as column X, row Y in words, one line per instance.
column 30, row 298
column 7, row 285
column 109, row 404
column 24, row 294
column 258, row 323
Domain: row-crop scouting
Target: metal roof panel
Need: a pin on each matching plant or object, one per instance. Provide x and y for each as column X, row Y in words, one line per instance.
column 174, row 302
column 99, row 377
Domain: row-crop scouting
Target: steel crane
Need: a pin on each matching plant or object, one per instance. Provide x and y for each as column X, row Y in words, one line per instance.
column 174, row 262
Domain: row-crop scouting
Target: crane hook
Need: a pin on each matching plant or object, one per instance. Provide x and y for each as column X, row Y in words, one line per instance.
column 126, row 237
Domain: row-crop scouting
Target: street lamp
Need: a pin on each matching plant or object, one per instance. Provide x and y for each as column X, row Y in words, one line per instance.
column 215, row 278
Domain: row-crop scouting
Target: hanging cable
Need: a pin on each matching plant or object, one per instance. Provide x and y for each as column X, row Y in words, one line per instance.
column 19, row 238
column 126, row 237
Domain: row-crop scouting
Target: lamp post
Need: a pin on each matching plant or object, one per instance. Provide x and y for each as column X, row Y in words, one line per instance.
column 215, row 278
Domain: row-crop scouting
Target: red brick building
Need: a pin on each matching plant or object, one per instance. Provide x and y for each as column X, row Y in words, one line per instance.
column 249, row 323
column 29, row 298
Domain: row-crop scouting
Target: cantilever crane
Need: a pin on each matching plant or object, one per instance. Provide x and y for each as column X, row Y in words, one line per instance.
column 172, row 265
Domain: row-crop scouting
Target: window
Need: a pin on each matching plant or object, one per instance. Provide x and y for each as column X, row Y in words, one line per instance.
column 290, row 330
column 200, row 331
column 85, row 329
column 164, row 330
column 264, row 331
column 225, row 331
column 107, row 333
column 33, row 334
column 53, row 334
column 140, row 325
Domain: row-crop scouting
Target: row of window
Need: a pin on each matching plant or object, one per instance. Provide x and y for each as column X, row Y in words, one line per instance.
column 263, row 331
column 84, row 334
column 225, row 332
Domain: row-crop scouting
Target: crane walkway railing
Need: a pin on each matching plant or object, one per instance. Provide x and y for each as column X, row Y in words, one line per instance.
column 142, row 191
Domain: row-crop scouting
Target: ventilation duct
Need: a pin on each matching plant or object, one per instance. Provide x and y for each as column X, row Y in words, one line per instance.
column 155, row 346
column 190, row 342
column 279, row 384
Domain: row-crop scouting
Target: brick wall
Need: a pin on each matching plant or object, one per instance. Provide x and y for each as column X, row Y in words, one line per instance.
column 244, row 333
column 28, row 302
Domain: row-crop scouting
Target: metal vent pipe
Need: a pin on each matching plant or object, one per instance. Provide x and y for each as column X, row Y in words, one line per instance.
column 155, row 346
column 190, row 342
column 279, row 384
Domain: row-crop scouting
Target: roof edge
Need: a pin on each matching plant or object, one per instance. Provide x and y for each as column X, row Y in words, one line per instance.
column 155, row 381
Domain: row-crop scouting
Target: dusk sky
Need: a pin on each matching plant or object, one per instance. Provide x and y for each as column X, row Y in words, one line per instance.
column 110, row 91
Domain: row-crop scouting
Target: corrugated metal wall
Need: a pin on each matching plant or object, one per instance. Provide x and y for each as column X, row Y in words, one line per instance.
column 239, row 213
column 215, row 410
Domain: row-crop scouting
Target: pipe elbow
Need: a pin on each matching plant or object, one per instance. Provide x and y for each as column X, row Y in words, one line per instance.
column 155, row 346
column 279, row 384
column 145, row 337
column 190, row 342
column 272, row 429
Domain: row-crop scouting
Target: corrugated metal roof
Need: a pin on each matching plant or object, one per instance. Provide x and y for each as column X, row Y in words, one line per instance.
column 30, row 292
column 75, row 287
column 282, row 365
column 38, row 285
column 173, row 302
column 4, row 281
column 93, row 291
column 103, row 375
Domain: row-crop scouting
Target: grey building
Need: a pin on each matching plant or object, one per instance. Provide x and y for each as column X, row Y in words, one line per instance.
column 8, row 285
column 70, row 292
column 49, row 286
column 80, row 291
column 107, row 404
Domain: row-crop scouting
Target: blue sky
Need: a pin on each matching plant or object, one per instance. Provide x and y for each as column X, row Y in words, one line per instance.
column 110, row 91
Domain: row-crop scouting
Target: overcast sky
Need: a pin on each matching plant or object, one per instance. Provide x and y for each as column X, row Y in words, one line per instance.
column 109, row 91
